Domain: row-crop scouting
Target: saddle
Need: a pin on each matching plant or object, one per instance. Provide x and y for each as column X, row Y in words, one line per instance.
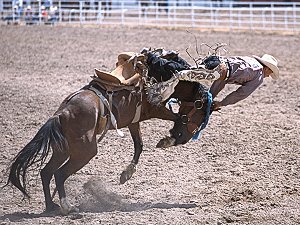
column 127, row 75
column 128, row 71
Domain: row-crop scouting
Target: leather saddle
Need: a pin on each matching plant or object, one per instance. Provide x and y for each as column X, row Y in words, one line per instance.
column 128, row 70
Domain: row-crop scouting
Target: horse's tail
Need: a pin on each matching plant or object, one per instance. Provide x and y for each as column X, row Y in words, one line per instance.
column 36, row 151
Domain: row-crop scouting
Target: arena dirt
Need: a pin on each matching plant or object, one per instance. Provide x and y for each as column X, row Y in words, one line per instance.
column 245, row 169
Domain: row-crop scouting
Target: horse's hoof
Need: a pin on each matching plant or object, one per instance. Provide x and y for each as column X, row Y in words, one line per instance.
column 124, row 177
column 127, row 174
column 166, row 142
column 67, row 211
column 52, row 207
column 66, row 207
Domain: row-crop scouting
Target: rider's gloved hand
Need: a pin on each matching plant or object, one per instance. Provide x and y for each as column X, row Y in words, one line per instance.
column 216, row 106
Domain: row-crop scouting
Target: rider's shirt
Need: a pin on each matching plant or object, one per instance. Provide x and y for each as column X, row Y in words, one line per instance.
column 245, row 71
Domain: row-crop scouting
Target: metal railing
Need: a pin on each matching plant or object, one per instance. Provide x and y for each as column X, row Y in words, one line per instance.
column 269, row 16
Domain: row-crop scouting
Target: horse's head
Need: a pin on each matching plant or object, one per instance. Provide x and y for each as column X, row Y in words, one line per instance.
column 194, row 101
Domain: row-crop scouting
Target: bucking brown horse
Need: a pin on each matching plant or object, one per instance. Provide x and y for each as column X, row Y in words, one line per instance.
column 73, row 132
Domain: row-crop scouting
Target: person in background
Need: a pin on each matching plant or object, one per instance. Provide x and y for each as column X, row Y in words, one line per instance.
column 28, row 15
column 248, row 72
column 44, row 14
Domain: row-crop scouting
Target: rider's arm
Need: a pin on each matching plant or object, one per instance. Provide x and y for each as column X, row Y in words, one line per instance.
column 216, row 87
column 242, row 92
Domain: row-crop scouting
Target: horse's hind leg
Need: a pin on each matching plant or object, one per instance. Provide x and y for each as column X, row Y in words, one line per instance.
column 80, row 154
column 57, row 159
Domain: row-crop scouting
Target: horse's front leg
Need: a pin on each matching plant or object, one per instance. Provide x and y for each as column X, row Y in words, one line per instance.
column 138, row 148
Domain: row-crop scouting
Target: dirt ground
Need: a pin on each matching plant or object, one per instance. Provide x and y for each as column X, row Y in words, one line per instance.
column 245, row 169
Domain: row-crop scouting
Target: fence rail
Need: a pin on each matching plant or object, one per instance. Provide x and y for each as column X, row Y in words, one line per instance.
column 270, row 16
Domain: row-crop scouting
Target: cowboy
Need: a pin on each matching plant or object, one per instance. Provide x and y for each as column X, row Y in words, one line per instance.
column 248, row 72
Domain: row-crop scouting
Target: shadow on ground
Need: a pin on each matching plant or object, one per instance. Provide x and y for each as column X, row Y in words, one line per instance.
column 99, row 200
column 18, row 216
column 102, row 200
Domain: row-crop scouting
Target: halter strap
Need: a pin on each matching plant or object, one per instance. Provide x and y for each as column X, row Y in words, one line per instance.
column 186, row 118
column 207, row 115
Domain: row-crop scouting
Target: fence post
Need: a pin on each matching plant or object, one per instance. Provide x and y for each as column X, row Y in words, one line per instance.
column 294, row 16
column 40, row 11
column 80, row 11
column 99, row 17
column 1, row 6
column 60, row 11
column 169, row 10
column 13, row 11
column 251, row 17
column 263, row 15
column 286, row 19
column 139, row 11
column 211, row 15
column 239, row 19
column 230, row 16
column 272, row 15
column 193, row 15
column 122, row 11
column 175, row 14
column 156, row 11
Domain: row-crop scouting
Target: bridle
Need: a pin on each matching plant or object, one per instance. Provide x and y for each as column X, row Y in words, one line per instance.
column 198, row 104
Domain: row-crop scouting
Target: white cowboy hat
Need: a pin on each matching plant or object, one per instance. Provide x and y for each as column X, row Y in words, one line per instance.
column 270, row 62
